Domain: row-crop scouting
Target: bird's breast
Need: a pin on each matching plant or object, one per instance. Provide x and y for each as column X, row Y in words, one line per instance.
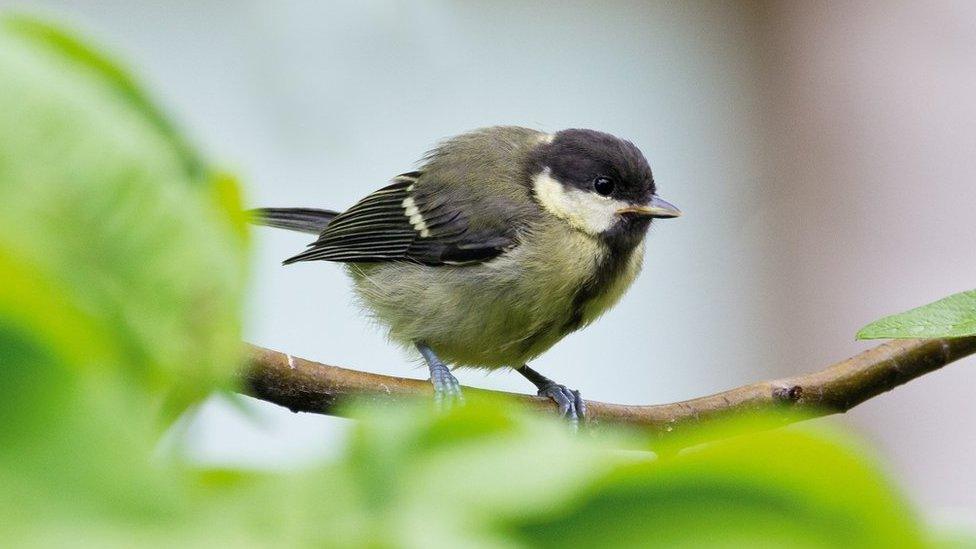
column 612, row 274
column 573, row 278
column 505, row 311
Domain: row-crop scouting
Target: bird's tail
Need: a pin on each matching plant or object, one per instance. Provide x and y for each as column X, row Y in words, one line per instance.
column 305, row 220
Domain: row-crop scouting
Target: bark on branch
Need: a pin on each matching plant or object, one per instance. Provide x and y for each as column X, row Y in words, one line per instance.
column 305, row 386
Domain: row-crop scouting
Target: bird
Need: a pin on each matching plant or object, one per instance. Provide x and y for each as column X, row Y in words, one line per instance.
column 503, row 241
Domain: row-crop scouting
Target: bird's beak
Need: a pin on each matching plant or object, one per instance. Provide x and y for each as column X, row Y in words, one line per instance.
column 657, row 208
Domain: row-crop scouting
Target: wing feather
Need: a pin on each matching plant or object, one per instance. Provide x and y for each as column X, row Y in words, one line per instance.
column 396, row 223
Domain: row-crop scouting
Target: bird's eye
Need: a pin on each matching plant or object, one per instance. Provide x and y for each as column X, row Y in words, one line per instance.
column 603, row 185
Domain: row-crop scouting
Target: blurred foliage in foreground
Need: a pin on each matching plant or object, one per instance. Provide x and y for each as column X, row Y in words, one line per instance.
column 122, row 267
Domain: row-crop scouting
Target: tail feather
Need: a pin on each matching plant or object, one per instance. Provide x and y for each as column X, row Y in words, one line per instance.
column 305, row 220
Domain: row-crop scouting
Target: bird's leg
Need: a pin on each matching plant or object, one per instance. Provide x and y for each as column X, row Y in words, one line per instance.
column 571, row 406
column 447, row 390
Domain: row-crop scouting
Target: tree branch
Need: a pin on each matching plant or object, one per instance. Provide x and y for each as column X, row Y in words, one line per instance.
column 305, row 386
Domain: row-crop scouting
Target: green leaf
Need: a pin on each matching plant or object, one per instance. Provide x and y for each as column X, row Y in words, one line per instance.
column 954, row 316
column 490, row 475
column 426, row 479
column 105, row 70
column 786, row 488
column 122, row 268
column 102, row 199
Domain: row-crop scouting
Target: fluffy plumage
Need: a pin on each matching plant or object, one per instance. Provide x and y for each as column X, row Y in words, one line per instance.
column 497, row 246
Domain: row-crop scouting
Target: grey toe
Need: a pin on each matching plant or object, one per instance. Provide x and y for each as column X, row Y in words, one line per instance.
column 571, row 405
column 447, row 389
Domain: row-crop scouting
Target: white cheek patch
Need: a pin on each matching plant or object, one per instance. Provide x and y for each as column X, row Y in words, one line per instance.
column 586, row 211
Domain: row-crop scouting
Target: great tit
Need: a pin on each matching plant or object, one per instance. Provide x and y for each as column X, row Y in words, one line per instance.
column 505, row 240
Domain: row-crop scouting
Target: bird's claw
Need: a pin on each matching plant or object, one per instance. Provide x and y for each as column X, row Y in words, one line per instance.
column 447, row 390
column 571, row 405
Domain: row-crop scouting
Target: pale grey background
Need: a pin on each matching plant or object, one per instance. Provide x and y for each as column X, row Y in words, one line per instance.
column 824, row 155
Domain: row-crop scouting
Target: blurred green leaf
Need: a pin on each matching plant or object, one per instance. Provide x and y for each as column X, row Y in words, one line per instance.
column 954, row 316
column 491, row 475
column 785, row 488
column 105, row 72
column 122, row 264
column 426, row 479
column 101, row 198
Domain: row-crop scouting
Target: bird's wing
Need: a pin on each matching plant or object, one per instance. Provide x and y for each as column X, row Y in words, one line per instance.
column 416, row 220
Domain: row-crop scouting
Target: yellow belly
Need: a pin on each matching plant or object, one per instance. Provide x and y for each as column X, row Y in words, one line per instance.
column 502, row 312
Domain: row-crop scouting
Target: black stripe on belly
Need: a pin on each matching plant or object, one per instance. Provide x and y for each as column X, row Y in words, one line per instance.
column 618, row 248
column 617, row 253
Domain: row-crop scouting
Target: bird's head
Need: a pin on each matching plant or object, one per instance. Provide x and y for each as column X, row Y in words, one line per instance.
column 598, row 183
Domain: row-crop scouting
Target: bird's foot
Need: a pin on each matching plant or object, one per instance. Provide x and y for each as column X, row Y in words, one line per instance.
column 571, row 405
column 447, row 389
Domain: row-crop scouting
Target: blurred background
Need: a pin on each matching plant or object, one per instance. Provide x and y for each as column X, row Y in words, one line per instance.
column 823, row 153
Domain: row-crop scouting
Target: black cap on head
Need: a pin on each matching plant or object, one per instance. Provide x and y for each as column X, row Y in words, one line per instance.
column 599, row 162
